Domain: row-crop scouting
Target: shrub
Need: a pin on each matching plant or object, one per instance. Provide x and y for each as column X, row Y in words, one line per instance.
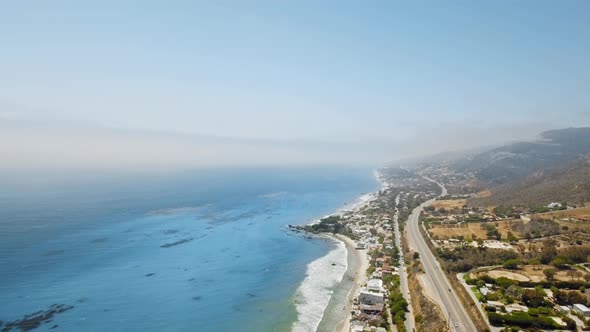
column 511, row 264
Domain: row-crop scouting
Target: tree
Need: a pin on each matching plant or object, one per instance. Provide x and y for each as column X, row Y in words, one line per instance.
column 561, row 262
column 571, row 324
column 511, row 264
column 549, row 251
column 504, row 282
column 549, row 273
column 533, row 298
column 535, row 263
column 513, row 291
column 571, row 273
column 480, row 283
column 511, row 237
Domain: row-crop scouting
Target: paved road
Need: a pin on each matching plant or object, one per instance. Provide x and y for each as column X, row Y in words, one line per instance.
column 403, row 274
column 475, row 300
column 452, row 308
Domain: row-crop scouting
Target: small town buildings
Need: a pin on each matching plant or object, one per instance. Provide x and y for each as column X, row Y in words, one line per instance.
column 371, row 302
column 377, row 274
column 563, row 309
column 379, row 262
column 581, row 309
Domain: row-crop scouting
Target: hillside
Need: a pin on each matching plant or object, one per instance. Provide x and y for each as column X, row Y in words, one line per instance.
column 570, row 183
column 515, row 162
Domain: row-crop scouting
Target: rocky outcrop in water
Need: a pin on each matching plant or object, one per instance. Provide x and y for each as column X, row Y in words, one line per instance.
column 172, row 244
column 34, row 320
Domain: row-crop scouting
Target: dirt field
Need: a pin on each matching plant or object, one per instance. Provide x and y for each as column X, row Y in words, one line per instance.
column 449, row 204
column 526, row 273
column 482, row 194
column 471, row 229
column 507, row 274
column 582, row 213
column 575, row 225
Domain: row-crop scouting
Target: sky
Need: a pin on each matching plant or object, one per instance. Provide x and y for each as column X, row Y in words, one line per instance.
column 190, row 83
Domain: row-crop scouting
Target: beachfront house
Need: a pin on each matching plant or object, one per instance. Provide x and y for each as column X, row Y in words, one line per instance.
column 371, row 302
column 581, row 310
column 375, row 285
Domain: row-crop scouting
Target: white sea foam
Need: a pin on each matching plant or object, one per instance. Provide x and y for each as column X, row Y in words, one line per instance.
column 273, row 194
column 314, row 293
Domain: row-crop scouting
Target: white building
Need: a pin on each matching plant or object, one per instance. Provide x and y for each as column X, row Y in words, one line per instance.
column 516, row 307
column 484, row 291
column 375, row 285
column 582, row 309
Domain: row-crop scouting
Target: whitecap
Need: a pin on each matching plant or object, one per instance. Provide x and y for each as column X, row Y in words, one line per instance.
column 314, row 293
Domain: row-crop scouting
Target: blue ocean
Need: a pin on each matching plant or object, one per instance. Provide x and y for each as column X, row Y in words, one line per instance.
column 201, row 250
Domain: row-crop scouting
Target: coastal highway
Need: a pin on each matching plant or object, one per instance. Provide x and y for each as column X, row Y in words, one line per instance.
column 456, row 315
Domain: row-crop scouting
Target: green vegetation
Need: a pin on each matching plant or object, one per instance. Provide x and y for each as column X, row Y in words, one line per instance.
column 463, row 259
column 549, row 273
column 331, row 224
column 511, row 264
column 522, row 319
column 398, row 307
column 478, row 294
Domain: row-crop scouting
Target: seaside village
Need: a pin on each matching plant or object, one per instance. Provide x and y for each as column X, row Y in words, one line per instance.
column 503, row 265
column 374, row 241
column 376, row 303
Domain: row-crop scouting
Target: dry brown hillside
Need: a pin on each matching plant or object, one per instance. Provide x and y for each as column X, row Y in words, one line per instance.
column 569, row 184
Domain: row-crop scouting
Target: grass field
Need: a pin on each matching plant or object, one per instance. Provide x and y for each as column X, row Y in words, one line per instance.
column 474, row 228
column 477, row 294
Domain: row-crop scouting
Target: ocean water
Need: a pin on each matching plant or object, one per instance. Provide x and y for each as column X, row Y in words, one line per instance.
column 203, row 250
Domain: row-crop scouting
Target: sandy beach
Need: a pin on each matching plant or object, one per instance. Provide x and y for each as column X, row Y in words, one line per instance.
column 360, row 279
column 337, row 315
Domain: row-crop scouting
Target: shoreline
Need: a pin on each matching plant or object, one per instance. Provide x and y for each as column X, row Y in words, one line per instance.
column 336, row 315
column 360, row 278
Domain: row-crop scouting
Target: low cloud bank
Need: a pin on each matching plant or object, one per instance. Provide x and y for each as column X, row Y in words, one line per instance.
column 26, row 144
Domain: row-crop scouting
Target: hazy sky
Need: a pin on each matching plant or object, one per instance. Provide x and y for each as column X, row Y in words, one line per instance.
column 134, row 83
